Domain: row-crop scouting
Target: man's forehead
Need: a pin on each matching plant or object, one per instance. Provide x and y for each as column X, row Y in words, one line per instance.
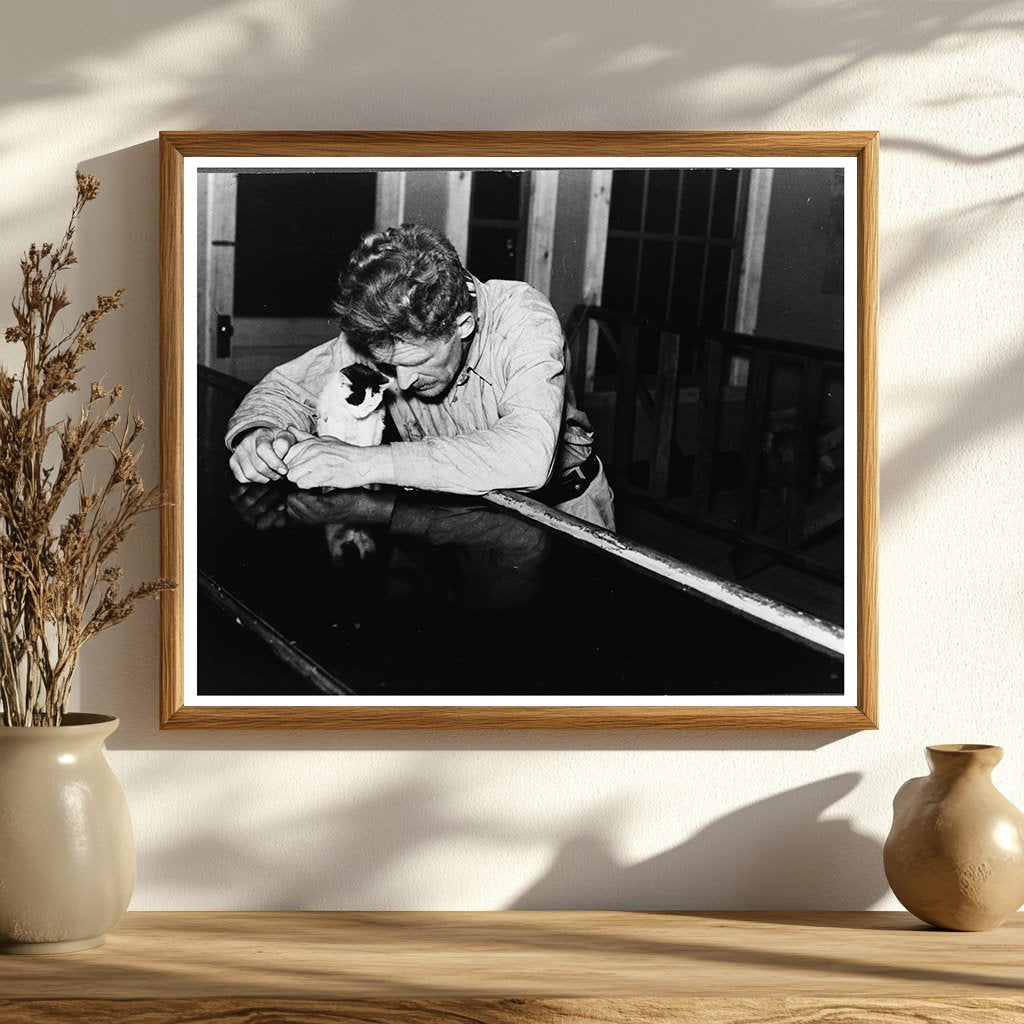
column 411, row 348
column 399, row 351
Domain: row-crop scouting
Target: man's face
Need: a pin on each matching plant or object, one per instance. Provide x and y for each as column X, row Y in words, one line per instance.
column 426, row 367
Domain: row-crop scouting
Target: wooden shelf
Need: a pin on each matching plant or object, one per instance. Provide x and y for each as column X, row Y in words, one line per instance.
column 501, row 968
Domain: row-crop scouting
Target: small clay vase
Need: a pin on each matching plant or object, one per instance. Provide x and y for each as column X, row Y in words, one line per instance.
column 955, row 854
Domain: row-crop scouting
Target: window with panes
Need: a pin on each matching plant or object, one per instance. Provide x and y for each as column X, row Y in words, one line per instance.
column 674, row 244
column 498, row 205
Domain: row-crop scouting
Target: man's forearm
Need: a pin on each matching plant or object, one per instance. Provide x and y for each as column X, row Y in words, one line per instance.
column 516, row 453
column 380, row 465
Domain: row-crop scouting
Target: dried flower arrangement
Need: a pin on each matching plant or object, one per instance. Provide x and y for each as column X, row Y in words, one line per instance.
column 58, row 588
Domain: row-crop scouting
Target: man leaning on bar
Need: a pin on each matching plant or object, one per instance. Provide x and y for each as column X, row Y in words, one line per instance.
column 481, row 400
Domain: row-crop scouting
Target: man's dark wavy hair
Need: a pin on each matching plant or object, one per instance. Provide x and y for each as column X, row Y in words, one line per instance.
column 401, row 282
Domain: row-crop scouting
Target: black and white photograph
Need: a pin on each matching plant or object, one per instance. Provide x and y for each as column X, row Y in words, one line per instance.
column 494, row 432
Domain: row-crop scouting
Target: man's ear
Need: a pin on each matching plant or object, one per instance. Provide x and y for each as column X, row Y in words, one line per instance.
column 466, row 324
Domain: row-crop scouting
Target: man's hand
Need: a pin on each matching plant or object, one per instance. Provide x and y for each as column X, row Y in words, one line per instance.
column 259, row 456
column 328, row 462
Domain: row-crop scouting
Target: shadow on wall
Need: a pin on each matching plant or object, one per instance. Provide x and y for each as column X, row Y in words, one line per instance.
column 288, row 53
column 776, row 854
column 425, row 849
column 118, row 246
column 192, row 64
column 961, row 421
column 938, row 244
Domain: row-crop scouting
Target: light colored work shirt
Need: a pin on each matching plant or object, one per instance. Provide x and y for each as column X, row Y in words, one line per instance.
column 508, row 421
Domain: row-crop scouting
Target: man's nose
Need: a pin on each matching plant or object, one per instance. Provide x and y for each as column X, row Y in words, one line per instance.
column 406, row 377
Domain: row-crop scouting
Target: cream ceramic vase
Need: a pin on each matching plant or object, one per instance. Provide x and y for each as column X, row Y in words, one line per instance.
column 955, row 855
column 67, row 855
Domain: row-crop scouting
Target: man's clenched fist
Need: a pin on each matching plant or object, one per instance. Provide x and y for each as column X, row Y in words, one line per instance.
column 259, row 456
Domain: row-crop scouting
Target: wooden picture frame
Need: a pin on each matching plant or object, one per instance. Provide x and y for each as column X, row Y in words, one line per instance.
column 182, row 152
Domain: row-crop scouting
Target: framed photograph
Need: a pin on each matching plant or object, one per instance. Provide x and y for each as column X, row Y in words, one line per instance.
column 519, row 430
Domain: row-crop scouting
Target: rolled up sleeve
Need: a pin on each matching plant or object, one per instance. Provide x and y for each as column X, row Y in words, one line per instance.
column 287, row 396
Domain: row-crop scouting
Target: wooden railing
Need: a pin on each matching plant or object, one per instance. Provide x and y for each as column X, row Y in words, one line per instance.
column 757, row 458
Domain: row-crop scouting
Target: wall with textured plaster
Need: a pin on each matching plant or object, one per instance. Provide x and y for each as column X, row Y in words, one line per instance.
column 736, row 820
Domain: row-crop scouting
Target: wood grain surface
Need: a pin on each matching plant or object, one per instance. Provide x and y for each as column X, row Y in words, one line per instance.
column 176, row 146
column 515, row 1011
column 511, row 717
column 524, row 966
column 514, row 144
column 867, row 417
column 172, row 426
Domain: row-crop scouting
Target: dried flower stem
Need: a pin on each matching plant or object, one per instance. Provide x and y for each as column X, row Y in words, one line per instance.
column 57, row 586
